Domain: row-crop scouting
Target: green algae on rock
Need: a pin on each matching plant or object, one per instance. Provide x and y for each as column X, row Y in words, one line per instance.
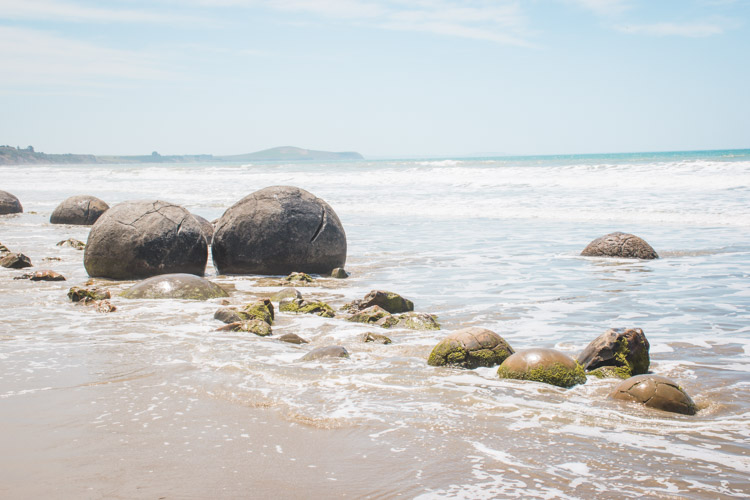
column 175, row 286
column 301, row 306
column 655, row 392
column 549, row 366
column 85, row 295
column 376, row 338
column 370, row 315
column 286, row 293
column 619, row 353
column 470, row 348
column 261, row 309
column 299, row 277
column 256, row 326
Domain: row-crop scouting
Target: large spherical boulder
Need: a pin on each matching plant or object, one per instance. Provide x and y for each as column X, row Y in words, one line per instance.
column 470, row 348
column 618, row 352
column 175, row 286
column 621, row 245
column 279, row 230
column 9, row 204
column 81, row 210
column 656, row 392
column 140, row 239
column 543, row 365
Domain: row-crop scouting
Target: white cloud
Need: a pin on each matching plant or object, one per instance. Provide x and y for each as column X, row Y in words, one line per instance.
column 71, row 12
column 691, row 30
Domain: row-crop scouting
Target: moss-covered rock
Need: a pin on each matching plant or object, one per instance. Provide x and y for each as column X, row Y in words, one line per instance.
column 72, row 243
column 418, row 321
column 15, row 261
column 370, row 315
column 175, row 286
column 301, row 306
column 619, row 353
column 470, row 348
column 286, row 293
column 376, row 338
column 256, row 326
column 543, row 365
column 299, row 277
column 656, row 392
column 261, row 309
column 339, row 273
column 391, row 302
column 85, row 295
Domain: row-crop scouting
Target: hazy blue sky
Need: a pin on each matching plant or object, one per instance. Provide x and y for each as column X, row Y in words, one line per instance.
column 398, row 77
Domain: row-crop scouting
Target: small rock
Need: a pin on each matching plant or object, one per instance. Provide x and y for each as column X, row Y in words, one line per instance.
column 261, row 309
column 299, row 277
column 15, row 261
column 470, row 348
column 51, row 259
column 375, row 338
column 301, row 306
column 227, row 315
column 284, row 293
column 418, row 321
column 46, row 275
column 293, row 338
column 656, row 392
column 543, row 365
column 370, row 315
column 256, row 326
column 621, row 245
column 72, row 243
column 339, row 273
column 87, row 295
column 391, row 302
column 3, row 249
column 104, row 306
column 331, row 351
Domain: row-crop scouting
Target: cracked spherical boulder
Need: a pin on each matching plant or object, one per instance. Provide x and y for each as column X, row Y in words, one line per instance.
column 621, row 245
column 140, row 239
column 470, row 348
column 175, row 286
column 656, row 392
column 279, row 230
column 618, row 352
column 80, row 210
column 9, row 204
column 549, row 366
column 206, row 227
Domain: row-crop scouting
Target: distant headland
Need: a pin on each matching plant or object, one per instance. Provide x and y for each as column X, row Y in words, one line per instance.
column 28, row 156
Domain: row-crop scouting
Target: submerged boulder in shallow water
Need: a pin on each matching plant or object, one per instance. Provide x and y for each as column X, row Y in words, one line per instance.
column 227, row 315
column 261, row 309
column 543, row 365
column 92, row 294
column 621, row 245
column 656, row 392
column 293, row 338
column 390, row 301
column 618, row 353
column 256, row 326
column 15, row 261
column 286, row 293
column 375, row 338
column 331, row 351
column 140, row 239
column 470, row 348
column 301, row 306
column 279, row 230
column 339, row 273
column 411, row 320
column 370, row 315
column 9, row 204
column 81, row 210
column 72, row 243
column 175, row 286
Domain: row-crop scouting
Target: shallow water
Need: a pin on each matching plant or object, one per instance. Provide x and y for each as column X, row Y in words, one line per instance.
column 150, row 401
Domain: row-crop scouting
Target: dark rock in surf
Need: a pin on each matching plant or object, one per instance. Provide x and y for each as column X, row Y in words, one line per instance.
column 15, row 260
column 82, row 210
column 279, row 230
column 621, row 245
column 293, row 338
column 549, row 366
column 45, row 275
column 3, row 249
column 227, row 315
column 72, row 243
column 376, row 338
column 286, row 293
column 656, row 392
column 331, row 351
column 256, row 326
column 621, row 352
column 370, row 315
column 9, row 204
column 140, row 239
column 391, row 302
column 175, row 286
column 261, row 309
column 87, row 295
column 470, row 348
column 339, row 273
column 206, row 227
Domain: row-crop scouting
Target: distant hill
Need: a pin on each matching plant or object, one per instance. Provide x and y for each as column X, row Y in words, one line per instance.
column 290, row 153
column 16, row 156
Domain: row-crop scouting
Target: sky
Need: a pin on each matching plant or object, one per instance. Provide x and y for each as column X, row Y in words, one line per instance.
column 393, row 78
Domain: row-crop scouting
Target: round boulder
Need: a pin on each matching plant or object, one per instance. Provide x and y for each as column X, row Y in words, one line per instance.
column 656, row 392
column 206, row 227
column 543, row 365
column 470, row 348
column 618, row 352
column 140, row 239
column 80, row 210
column 9, row 204
column 279, row 230
column 175, row 286
column 621, row 245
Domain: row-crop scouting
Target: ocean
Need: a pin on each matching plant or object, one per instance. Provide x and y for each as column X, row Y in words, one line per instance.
column 151, row 402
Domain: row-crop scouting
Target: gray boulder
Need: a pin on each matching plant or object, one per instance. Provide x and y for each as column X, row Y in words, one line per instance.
column 80, row 210
column 175, row 286
column 621, row 245
column 206, row 227
column 9, row 204
column 331, row 351
column 279, row 230
column 140, row 239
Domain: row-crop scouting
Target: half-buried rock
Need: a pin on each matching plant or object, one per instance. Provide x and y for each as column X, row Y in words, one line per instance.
column 175, row 286
column 621, row 245
column 279, row 230
column 543, row 365
column 656, row 392
column 470, row 348
column 9, row 204
column 140, row 239
column 619, row 352
column 80, row 210
column 331, row 351
column 256, row 326
column 390, row 301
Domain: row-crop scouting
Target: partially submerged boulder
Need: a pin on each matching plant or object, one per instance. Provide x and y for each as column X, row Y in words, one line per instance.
column 549, row 366
column 3, row 249
column 620, row 352
column 470, row 348
column 14, row 260
column 261, row 309
column 286, row 293
column 411, row 320
column 390, row 301
column 279, row 230
column 72, row 243
column 293, row 338
column 227, row 315
column 256, row 326
column 370, row 315
column 621, row 245
column 656, row 392
column 375, row 338
column 140, row 239
column 82, row 210
column 9, row 204
column 339, row 273
column 175, row 286
column 91, row 294
column 299, row 278
column 44, row 275
column 331, row 351
column 301, row 306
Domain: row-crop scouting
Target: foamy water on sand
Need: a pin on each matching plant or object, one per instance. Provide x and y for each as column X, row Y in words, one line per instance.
column 150, row 401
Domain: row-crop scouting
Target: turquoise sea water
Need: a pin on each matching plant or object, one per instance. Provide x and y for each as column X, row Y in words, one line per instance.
column 491, row 242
